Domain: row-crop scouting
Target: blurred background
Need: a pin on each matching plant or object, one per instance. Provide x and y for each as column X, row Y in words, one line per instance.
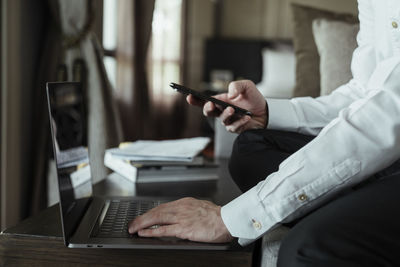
column 126, row 52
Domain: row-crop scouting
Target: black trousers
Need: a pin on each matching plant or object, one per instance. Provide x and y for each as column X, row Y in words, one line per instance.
column 358, row 228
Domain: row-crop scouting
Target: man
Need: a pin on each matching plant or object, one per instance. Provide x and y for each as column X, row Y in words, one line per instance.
column 327, row 166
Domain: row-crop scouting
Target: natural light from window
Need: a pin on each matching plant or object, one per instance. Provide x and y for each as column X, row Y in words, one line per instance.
column 110, row 38
column 165, row 48
column 164, row 65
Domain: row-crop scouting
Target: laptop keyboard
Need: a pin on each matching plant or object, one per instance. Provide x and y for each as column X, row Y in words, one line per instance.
column 120, row 213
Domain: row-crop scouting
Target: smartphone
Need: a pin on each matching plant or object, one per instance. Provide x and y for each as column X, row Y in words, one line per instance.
column 187, row 91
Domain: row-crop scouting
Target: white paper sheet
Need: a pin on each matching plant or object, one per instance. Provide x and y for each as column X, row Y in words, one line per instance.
column 178, row 150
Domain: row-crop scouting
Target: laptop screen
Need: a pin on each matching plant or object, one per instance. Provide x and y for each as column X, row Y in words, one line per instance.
column 68, row 120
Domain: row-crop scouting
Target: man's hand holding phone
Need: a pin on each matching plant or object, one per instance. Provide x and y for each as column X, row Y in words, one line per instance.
column 243, row 94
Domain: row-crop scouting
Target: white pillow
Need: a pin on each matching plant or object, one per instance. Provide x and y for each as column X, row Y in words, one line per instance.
column 336, row 41
column 278, row 79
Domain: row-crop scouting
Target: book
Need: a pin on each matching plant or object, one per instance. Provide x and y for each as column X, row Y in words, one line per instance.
column 161, row 171
column 166, row 150
column 188, row 174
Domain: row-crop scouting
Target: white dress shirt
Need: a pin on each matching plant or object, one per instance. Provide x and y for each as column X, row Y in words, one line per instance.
column 358, row 128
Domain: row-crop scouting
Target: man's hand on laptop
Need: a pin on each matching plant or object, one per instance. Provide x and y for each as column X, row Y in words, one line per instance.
column 186, row 218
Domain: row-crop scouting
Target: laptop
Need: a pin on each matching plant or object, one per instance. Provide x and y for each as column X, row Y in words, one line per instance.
column 90, row 221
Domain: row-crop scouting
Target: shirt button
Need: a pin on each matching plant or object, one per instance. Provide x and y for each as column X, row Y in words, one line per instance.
column 303, row 197
column 256, row 225
column 395, row 25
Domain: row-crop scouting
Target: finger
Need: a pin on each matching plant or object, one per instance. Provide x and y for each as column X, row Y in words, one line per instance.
column 238, row 87
column 150, row 218
column 222, row 97
column 239, row 125
column 141, row 222
column 164, row 230
column 194, row 101
column 226, row 116
column 210, row 109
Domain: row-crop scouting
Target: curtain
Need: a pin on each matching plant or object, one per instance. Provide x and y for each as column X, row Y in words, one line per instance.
column 145, row 113
column 73, row 53
column 134, row 31
column 167, row 65
column 81, row 44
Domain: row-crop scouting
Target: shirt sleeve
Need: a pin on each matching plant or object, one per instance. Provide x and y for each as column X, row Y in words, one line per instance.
column 361, row 139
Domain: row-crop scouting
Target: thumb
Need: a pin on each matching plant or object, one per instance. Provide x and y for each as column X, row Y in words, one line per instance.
column 238, row 87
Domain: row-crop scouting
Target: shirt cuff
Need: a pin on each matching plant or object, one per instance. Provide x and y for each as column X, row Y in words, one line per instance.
column 245, row 217
column 282, row 115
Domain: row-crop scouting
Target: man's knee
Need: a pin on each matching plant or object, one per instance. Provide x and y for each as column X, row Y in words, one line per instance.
column 248, row 143
column 258, row 153
column 237, row 162
column 242, row 143
column 244, row 160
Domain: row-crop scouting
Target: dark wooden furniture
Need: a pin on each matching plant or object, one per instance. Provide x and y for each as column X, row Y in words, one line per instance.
column 37, row 241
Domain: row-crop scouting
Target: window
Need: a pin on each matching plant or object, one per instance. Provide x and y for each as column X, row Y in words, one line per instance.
column 165, row 60
column 110, row 39
column 165, row 51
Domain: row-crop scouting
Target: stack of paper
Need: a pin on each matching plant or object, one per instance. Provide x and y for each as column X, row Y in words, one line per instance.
column 166, row 150
column 156, row 161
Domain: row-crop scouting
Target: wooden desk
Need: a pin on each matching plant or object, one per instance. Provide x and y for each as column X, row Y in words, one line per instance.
column 37, row 241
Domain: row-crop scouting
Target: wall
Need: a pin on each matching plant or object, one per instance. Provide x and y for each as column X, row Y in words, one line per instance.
column 10, row 111
column 245, row 19
column 270, row 18
column 200, row 23
column 21, row 29
column 200, row 26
